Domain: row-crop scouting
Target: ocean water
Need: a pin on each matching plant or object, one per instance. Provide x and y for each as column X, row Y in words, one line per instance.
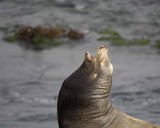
column 30, row 80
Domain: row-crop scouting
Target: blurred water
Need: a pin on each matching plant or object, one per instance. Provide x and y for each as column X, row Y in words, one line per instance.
column 30, row 81
column 132, row 18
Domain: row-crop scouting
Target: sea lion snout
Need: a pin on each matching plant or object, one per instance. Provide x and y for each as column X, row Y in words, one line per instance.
column 102, row 52
column 103, row 46
column 100, row 62
column 103, row 59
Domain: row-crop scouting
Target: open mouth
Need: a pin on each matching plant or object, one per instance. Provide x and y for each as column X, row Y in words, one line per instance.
column 101, row 53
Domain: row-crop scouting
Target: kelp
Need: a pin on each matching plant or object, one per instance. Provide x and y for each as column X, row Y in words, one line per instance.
column 42, row 37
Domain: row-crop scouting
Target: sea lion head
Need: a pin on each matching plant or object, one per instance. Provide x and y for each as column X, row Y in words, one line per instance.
column 94, row 76
column 99, row 65
column 97, row 70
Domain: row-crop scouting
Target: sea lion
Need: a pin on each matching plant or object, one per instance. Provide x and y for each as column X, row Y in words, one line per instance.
column 83, row 100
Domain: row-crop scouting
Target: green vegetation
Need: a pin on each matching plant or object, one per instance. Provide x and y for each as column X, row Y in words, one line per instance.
column 109, row 32
column 113, row 37
column 117, row 40
column 141, row 41
column 157, row 45
column 40, row 42
column 39, row 38
column 10, row 39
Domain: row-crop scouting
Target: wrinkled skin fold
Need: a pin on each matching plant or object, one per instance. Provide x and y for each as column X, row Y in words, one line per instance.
column 83, row 100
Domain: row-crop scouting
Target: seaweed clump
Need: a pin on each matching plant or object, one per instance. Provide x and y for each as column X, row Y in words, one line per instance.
column 113, row 37
column 143, row 41
column 38, row 38
column 117, row 40
column 72, row 34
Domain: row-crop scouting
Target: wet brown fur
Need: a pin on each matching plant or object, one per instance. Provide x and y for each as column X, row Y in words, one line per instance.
column 83, row 101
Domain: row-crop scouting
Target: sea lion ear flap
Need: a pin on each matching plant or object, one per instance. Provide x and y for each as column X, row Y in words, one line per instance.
column 88, row 56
